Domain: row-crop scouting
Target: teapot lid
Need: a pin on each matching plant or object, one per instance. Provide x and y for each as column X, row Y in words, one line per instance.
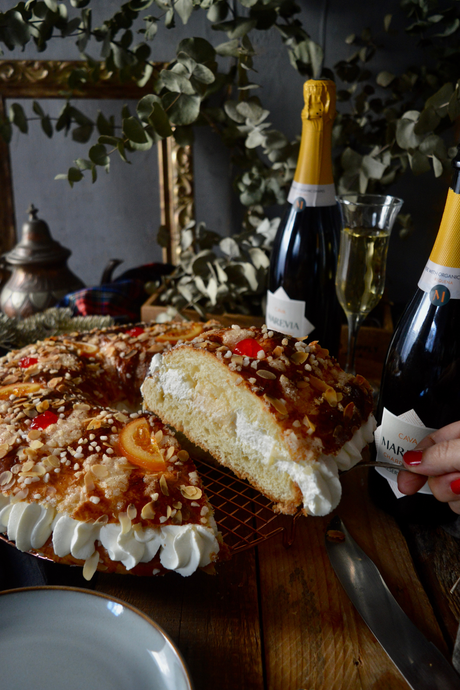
column 36, row 245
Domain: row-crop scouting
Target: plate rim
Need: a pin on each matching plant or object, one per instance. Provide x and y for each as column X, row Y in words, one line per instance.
column 116, row 600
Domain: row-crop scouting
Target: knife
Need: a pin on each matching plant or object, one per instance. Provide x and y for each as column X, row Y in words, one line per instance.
column 419, row 661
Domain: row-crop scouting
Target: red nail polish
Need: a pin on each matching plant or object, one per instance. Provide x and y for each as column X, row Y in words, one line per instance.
column 412, row 457
column 455, row 486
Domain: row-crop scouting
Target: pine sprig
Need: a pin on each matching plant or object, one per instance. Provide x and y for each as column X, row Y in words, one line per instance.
column 16, row 333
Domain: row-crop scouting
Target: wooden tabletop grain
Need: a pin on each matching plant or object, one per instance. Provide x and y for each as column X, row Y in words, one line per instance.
column 276, row 618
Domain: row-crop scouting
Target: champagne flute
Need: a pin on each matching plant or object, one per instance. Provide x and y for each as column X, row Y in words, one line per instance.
column 367, row 221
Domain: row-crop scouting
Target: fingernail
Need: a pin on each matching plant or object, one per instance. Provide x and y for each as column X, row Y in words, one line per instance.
column 455, row 486
column 412, row 457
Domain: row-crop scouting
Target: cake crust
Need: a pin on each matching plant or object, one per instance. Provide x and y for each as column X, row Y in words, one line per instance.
column 64, row 403
column 266, row 388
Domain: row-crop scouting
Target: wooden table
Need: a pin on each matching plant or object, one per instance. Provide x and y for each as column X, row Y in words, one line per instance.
column 276, row 618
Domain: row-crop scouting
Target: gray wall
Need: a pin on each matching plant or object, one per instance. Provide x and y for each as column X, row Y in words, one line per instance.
column 118, row 216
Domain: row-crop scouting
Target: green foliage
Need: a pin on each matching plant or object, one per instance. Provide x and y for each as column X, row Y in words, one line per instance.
column 220, row 274
column 388, row 124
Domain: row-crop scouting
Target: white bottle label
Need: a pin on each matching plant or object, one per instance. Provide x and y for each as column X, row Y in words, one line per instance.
column 392, row 438
column 312, row 194
column 443, row 283
column 286, row 315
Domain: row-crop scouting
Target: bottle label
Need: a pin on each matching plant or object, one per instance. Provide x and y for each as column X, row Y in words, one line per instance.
column 286, row 315
column 442, row 282
column 393, row 438
column 311, row 195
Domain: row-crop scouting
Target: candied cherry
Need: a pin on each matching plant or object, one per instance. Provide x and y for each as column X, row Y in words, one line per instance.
column 134, row 332
column 139, row 446
column 43, row 420
column 247, row 347
column 27, row 362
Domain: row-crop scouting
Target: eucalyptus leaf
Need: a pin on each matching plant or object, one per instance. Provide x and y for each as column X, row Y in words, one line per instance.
column 236, row 28
column 176, row 82
column 405, row 134
column 98, row 155
column 419, row 163
column 134, row 131
column 229, row 48
column 182, row 109
column 438, row 168
column 160, row 121
column 197, row 48
column 230, row 248
column 18, row 117
column 184, row 9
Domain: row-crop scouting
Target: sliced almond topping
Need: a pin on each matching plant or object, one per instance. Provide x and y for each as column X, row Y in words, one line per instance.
column 302, row 384
column 170, row 452
column 237, row 359
column 348, row 411
column 193, row 493
column 27, row 466
column 159, row 436
column 309, row 423
column 265, row 374
column 89, row 482
column 125, row 523
column 5, row 477
column 34, row 434
column 164, row 485
column 35, row 445
column 42, row 406
column 120, row 417
column 51, row 461
column 81, row 406
column 131, row 511
column 168, row 512
column 4, row 448
column 331, row 397
column 148, row 511
column 52, row 383
column 277, row 404
column 90, row 566
column 100, row 471
column 94, row 424
column 299, row 357
column 318, row 384
column 178, row 517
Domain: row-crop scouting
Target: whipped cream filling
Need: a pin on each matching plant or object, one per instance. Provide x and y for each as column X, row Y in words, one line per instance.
column 182, row 548
column 318, row 481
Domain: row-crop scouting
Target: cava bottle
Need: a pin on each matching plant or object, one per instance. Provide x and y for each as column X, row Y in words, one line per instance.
column 301, row 299
column 420, row 389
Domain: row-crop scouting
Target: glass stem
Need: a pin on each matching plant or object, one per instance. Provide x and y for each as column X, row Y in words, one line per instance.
column 354, row 324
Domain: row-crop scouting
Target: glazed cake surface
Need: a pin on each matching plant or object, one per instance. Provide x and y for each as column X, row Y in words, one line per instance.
column 277, row 411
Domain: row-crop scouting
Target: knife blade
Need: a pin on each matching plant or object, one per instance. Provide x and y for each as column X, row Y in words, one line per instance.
column 418, row 660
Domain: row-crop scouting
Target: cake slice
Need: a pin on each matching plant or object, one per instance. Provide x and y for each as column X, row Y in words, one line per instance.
column 277, row 411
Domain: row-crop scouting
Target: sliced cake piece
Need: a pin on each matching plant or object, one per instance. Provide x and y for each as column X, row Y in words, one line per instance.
column 277, row 411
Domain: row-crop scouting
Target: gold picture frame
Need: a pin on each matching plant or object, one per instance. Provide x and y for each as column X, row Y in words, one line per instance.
column 36, row 79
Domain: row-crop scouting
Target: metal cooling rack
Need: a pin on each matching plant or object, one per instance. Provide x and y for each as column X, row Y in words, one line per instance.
column 243, row 515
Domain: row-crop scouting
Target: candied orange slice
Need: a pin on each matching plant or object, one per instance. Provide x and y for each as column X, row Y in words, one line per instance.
column 139, row 446
column 173, row 336
column 18, row 389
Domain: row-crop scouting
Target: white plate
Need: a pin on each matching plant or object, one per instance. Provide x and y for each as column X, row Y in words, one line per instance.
column 76, row 639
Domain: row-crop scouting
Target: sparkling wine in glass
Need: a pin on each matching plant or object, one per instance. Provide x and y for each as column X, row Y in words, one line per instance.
column 367, row 221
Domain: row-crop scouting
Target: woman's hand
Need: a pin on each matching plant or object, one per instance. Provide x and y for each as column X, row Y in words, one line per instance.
column 437, row 458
